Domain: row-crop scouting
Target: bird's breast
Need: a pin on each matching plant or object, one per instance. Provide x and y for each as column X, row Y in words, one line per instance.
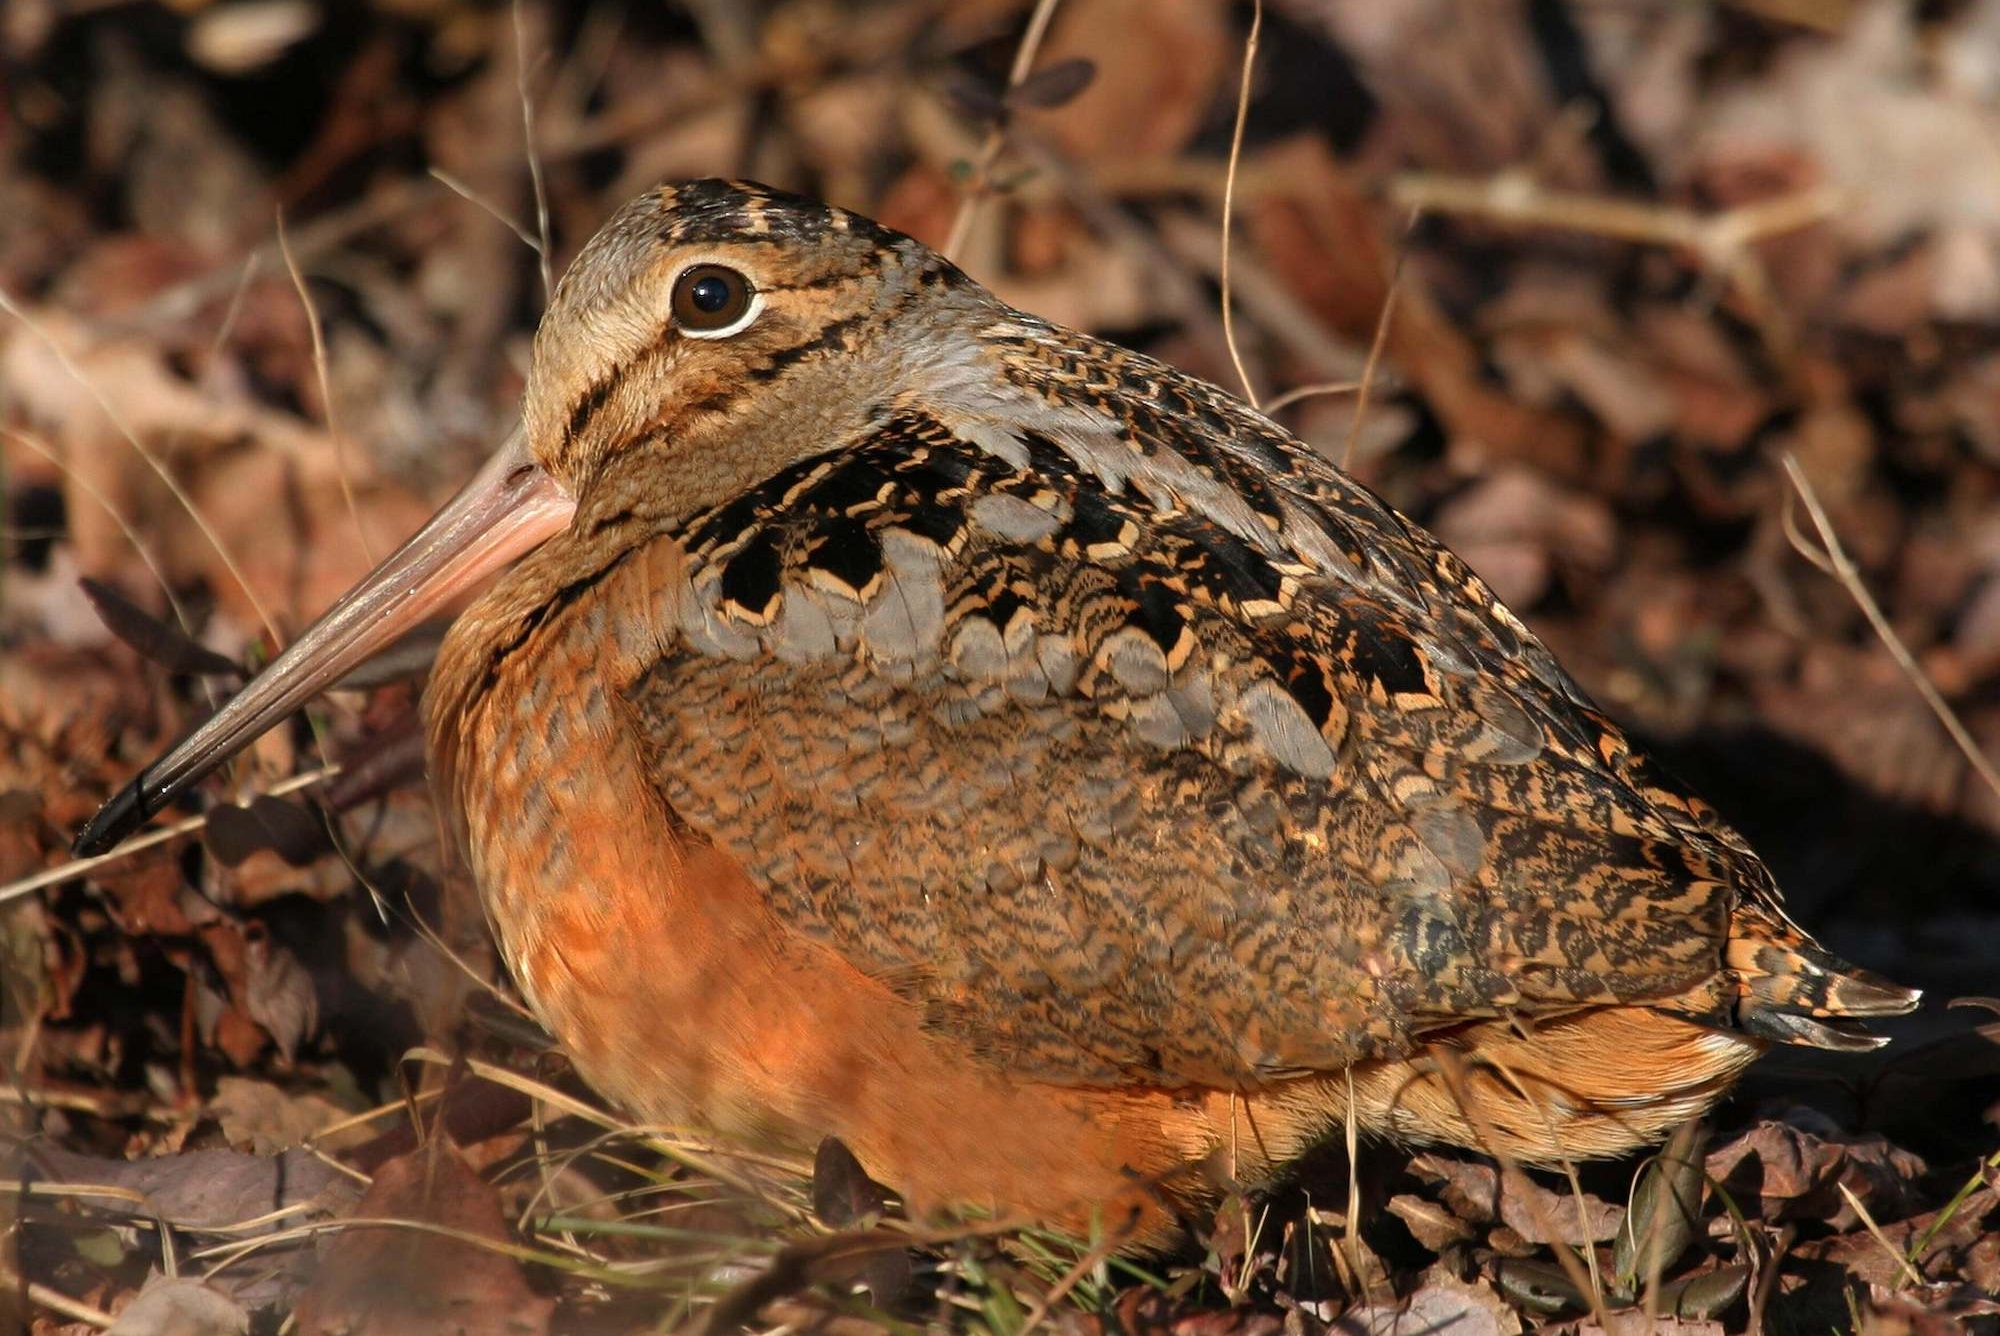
column 663, row 968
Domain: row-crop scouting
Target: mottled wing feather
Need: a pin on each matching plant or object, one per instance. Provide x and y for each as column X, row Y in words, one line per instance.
column 1206, row 771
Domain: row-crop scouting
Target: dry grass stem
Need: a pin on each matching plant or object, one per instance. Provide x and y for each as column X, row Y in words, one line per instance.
column 138, row 844
column 55, row 1301
column 1908, row 1273
column 1990, row 1165
column 682, row 1145
column 1038, row 1311
column 535, row 178
column 325, row 380
column 1375, row 346
column 1229, row 195
column 981, row 182
column 152, row 461
column 1833, row 559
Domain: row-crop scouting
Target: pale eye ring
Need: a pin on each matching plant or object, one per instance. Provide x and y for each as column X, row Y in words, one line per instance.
column 710, row 300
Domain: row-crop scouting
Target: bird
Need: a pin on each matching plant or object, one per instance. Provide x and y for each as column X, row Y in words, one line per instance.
column 906, row 720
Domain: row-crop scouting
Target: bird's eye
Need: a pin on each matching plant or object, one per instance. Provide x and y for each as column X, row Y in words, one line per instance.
column 711, row 299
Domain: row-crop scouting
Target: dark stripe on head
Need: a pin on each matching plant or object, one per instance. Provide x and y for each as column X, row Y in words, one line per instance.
column 832, row 336
column 592, row 401
column 711, row 210
column 588, row 404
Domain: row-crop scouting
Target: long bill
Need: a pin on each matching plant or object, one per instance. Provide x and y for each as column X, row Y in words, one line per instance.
column 509, row 509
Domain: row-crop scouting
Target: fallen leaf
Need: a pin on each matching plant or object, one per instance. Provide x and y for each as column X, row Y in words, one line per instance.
column 385, row 1281
column 218, row 1189
column 211, row 1188
column 1431, row 1224
column 1476, row 1194
column 1443, row 1306
column 181, row 1306
column 152, row 639
column 843, row 1194
column 265, row 1118
column 278, row 992
column 1794, row 1168
column 290, row 830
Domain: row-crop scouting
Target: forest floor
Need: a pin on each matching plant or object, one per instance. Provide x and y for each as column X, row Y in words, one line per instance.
column 1681, row 323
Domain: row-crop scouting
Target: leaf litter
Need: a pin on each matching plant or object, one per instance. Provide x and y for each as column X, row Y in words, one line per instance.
column 1656, row 249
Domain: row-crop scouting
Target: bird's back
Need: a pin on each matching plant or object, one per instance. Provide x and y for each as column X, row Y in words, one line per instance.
column 1134, row 742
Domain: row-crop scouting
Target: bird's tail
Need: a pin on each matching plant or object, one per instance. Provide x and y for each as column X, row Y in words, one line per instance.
column 1793, row 990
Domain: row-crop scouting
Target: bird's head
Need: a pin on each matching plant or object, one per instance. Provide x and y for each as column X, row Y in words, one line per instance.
column 709, row 334
column 713, row 331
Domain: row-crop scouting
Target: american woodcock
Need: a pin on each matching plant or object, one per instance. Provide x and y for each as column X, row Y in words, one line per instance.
column 916, row 722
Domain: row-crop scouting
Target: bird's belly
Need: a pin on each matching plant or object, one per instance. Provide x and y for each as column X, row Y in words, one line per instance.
column 683, row 993
column 684, row 998
column 681, row 997
column 664, row 974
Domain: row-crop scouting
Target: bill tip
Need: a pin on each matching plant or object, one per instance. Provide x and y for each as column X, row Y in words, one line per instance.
column 125, row 813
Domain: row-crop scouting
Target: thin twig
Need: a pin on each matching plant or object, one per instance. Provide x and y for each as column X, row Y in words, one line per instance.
column 77, row 867
column 153, row 461
column 325, row 378
column 977, row 188
column 1229, row 197
column 1909, row 1272
column 479, row 201
column 1839, row 565
column 90, row 490
column 534, row 159
column 1517, row 199
column 1375, row 347
column 1300, row 393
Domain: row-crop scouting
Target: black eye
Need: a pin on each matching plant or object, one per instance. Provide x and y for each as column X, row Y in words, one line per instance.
column 709, row 297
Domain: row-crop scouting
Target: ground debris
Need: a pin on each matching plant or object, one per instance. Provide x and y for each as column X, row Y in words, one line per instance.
column 1635, row 257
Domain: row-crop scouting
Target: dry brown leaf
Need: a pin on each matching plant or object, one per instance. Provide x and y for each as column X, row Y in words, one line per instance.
column 1431, row 1224
column 264, row 1118
column 212, row 1188
column 1514, row 526
column 278, row 993
column 180, row 1307
column 1794, row 1169
column 381, row 1281
column 1477, row 1195
column 1172, row 55
column 1443, row 1306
